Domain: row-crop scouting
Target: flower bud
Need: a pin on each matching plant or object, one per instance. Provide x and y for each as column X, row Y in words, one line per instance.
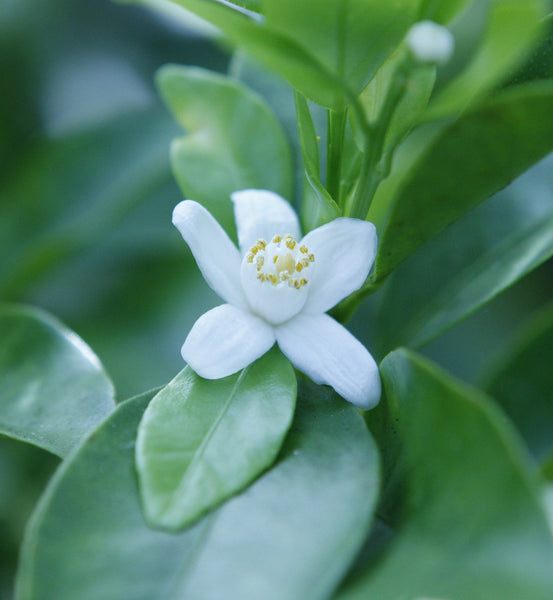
column 430, row 43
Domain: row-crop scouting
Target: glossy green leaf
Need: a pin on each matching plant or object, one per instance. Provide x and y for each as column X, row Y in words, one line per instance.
column 416, row 296
column 513, row 27
column 53, row 388
column 201, row 441
column 472, row 524
column 457, row 166
column 291, row 534
column 233, row 140
column 522, row 382
column 477, row 284
column 351, row 39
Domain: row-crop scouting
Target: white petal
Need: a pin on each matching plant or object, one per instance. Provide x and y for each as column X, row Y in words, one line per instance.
column 344, row 251
column 217, row 257
column 261, row 214
column 329, row 354
column 225, row 340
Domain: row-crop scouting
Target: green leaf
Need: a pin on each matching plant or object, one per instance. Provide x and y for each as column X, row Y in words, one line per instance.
column 513, row 27
column 201, row 441
column 472, row 525
column 292, row 534
column 522, row 382
column 233, row 140
column 442, row 11
column 350, row 38
column 53, row 387
column 317, row 207
column 277, row 51
column 478, row 283
column 458, row 165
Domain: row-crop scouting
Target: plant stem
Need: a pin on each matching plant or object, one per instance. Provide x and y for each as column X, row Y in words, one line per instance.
column 335, row 142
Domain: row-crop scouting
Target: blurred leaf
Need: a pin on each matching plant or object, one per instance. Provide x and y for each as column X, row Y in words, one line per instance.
column 351, row 39
column 466, row 291
column 458, row 165
column 201, row 441
column 522, row 382
column 277, row 51
column 233, row 140
column 472, row 524
column 69, row 190
column 472, row 260
column 292, row 534
column 513, row 28
column 442, row 11
column 54, row 389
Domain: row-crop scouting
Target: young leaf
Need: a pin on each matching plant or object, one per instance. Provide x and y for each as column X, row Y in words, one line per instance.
column 472, row 524
column 53, row 387
column 459, row 165
column 201, row 441
column 522, row 382
column 232, row 136
column 292, row 534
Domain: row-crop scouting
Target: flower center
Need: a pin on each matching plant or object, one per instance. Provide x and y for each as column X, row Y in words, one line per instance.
column 281, row 261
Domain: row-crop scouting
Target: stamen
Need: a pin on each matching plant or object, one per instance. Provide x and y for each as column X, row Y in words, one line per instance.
column 304, row 249
column 261, row 244
column 250, row 257
column 277, row 239
column 311, row 258
column 291, row 243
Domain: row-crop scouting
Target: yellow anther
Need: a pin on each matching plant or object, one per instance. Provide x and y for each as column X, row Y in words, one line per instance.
column 259, row 260
column 275, row 258
column 311, row 258
column 291, row 243
column 304, row 262
column 250, row 257
column 272, row 278
column 261, row 276
column 288, row 236
column 303, row 281
column 299, row 267
column 261, row 244
column 254, row 249
column 304, row 249
column 277, row 239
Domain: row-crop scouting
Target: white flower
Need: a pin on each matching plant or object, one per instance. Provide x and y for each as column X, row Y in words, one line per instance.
column 430, row 42
column 278, row 288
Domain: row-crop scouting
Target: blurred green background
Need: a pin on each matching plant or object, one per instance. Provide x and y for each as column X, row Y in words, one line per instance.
column 86, row 196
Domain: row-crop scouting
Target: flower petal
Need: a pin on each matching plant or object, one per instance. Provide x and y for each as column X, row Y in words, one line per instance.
column 329, row 354
column 261, row 214
column 217, row 257
column 225, row 340
column 344, row 251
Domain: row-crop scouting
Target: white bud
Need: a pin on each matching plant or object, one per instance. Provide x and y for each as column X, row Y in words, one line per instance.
column 430, row 42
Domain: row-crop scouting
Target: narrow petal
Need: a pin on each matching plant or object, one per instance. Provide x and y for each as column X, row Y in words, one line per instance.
column 344, row 251
column 225, row 340
column 261, row 214
column 217, row 257
column 329, row 354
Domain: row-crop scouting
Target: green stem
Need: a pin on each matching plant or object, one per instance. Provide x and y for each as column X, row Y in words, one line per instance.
column 376, row 164
column 336, row 129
